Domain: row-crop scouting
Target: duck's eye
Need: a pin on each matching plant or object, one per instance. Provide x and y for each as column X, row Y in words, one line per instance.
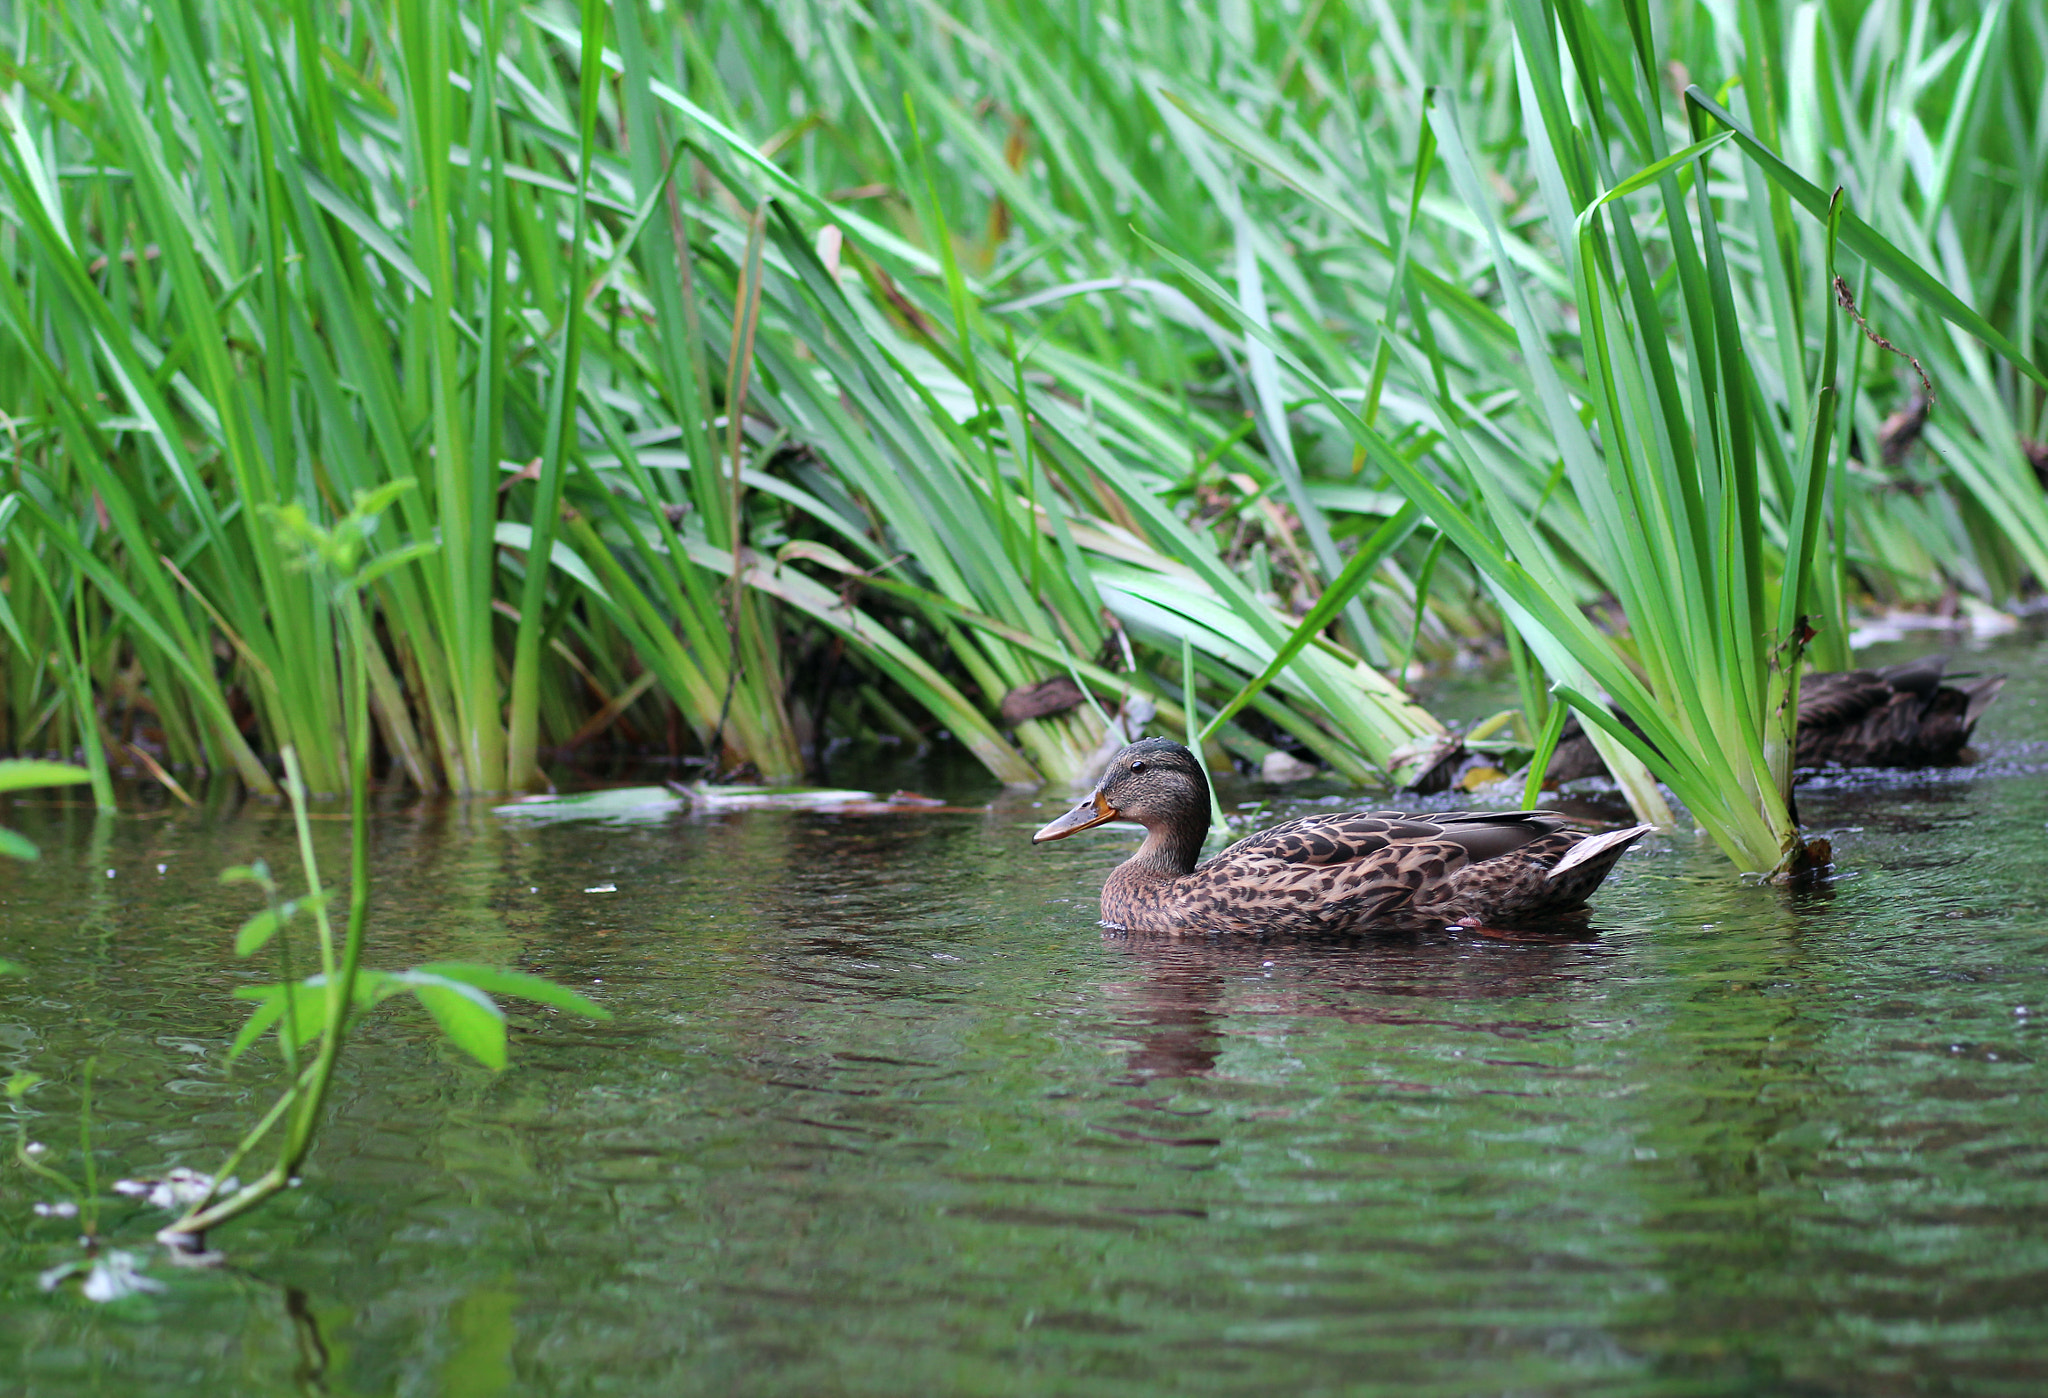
column 1138, row 766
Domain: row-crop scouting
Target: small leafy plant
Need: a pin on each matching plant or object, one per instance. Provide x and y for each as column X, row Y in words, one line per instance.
column 103, row 1274
column 311, row 1015
column 80, row 1201
column 310, row 1018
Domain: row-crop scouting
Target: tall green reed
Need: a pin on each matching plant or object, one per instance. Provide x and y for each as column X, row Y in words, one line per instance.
column 828, row 327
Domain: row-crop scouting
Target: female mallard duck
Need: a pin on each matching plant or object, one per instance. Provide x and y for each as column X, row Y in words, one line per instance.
column 1327, row 873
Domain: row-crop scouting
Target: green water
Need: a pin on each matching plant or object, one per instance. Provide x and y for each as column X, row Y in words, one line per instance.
column 882, row 1111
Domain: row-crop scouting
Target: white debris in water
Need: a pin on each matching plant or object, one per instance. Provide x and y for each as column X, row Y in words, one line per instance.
column 602, row 888
column 1978, row 619
column 1279, row 766
column 619, row 805
column 107, row 1278
column 179, row 1189
column 115, row 1276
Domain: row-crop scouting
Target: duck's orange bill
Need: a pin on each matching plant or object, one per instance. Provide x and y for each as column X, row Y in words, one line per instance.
column 1093, row 811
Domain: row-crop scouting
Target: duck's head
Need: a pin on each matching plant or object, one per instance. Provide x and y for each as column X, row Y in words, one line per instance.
column 1154, row 782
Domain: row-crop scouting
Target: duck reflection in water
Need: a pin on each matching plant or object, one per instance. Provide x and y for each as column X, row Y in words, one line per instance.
column 1189, row 996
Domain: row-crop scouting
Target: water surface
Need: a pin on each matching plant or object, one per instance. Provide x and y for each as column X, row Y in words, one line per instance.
column 882, row 1111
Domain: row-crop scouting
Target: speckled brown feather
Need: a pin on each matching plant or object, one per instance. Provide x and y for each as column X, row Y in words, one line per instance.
column 1329, row 873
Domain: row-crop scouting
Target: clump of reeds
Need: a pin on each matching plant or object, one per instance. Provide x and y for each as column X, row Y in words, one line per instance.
column 1040, row 345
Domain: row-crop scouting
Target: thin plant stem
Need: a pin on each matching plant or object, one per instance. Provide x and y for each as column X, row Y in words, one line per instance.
column 30, row 1163
column 89, row 1204
column 295, row 788
column 255, row 1134
column 746, row 311
column 1195, row 732
column 289, row 1043
column 1546, row 744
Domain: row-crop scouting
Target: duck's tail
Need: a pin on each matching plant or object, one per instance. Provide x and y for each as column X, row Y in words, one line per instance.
column 1980, row 696
column 1599, row 852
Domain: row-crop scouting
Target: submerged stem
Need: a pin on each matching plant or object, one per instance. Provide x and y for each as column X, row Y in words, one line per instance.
column 89, row 1206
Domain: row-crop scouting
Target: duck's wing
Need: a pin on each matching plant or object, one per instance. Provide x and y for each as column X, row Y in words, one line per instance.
column 1343, row 870
column 1921, row 677
column 1321, row 840
column 1833, row 701
column 1325, row 840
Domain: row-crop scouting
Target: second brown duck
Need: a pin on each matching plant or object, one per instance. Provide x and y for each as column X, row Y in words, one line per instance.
column 1900, row 716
